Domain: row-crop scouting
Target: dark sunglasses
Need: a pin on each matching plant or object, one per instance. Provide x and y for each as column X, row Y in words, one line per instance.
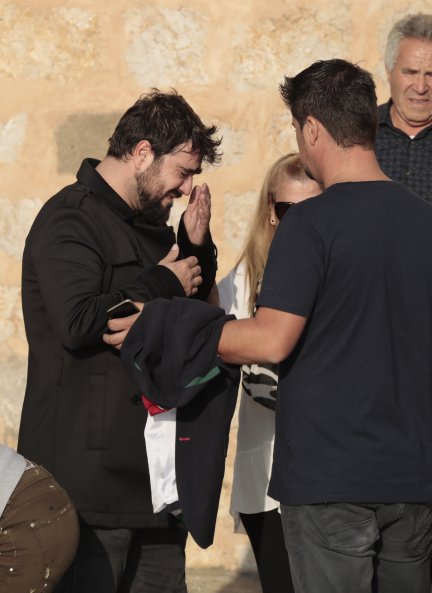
column 281, row 207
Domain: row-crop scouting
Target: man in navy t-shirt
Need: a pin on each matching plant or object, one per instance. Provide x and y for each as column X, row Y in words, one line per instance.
column 346, row 308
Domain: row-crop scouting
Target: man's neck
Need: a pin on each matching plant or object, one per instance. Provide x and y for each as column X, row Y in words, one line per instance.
column 352, row 165
column 116, row 173
column 401, row 124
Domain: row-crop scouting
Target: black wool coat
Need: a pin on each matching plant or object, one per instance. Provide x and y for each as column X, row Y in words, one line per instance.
column 85, row 252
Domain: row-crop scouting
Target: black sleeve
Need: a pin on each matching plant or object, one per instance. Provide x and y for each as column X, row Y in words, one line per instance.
column 207, row 257
column 158, row 282
column 294, row 272
column 71, row 273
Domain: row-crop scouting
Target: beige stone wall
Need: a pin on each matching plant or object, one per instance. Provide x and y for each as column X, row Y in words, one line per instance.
column 68, row 70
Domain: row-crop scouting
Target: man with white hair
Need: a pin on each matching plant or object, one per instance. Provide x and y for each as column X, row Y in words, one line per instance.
column 404, row 139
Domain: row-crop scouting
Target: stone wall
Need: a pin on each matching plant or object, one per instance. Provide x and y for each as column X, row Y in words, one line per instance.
column 69, row 69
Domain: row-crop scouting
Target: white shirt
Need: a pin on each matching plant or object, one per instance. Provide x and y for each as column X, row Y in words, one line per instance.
column 160, row 434
column 256, row 424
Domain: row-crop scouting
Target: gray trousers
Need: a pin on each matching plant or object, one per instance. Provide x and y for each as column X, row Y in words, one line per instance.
column 148, row 560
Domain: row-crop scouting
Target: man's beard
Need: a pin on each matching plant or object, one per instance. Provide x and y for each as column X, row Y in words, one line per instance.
column 151, row 194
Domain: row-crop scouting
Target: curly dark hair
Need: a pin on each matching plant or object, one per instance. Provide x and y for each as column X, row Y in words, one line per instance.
column 166, row 120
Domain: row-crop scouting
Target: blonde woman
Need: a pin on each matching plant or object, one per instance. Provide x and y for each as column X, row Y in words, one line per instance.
column 285, row 184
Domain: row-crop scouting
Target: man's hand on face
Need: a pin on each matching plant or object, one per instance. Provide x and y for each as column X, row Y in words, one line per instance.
column 120, row 327
column 187, row 270
column 197, row 215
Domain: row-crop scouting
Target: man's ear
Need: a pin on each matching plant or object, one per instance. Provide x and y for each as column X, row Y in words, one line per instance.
column 311, row 130
column 142, row 154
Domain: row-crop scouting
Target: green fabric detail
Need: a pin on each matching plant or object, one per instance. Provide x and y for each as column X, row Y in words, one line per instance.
column 198, row 380
column 136, row 365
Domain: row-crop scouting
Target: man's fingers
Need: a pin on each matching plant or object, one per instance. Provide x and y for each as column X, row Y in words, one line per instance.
column 171, row 256
column 191, row 261
column 120, row 328
column 195, row 193
column 205, row 192
column 204, row 214
column 188, row 273
column 115, row 340
column 122, row 323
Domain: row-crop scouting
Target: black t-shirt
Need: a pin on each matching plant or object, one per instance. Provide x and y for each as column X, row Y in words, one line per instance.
column 354, row 407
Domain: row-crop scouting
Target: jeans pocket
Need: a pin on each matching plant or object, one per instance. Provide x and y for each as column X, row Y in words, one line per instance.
column 349, row 528
column 421, row 540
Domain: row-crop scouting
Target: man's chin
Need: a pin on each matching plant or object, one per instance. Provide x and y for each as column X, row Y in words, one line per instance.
column 164, row 213
column 155, row 215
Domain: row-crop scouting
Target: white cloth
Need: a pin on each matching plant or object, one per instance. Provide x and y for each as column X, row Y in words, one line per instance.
column 256, row 424
column 12, row 467
column 160, row 434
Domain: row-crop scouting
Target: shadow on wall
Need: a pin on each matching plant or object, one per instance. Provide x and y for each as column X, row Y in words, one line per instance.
column 83, row 135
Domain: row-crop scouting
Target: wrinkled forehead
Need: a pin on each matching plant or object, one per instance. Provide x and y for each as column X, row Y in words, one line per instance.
column 413, row 50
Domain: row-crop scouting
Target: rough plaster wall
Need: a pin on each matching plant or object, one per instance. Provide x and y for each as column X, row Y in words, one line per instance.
column 69, row 69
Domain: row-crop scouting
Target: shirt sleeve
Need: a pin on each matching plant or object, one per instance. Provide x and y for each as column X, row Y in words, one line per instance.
column 295, row 268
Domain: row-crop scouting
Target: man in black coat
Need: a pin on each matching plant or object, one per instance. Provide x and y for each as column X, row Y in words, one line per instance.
column 101, row 240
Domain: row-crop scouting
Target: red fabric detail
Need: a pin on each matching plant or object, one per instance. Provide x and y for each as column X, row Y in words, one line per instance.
column 153, row 408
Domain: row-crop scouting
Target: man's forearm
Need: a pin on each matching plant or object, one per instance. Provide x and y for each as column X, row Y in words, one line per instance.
column 241, row 342
column 268, row 337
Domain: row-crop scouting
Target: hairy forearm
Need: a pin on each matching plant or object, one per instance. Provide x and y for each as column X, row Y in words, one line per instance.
column 268, row 337
column 243, row 342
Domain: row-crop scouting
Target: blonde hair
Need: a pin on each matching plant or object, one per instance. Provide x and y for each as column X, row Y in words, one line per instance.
column 261, row 232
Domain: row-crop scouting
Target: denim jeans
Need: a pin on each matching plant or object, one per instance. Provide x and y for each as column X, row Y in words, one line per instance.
column 359, row 548
column 128, row 561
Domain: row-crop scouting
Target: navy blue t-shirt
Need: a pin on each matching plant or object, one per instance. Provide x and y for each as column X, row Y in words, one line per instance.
column 354, row 407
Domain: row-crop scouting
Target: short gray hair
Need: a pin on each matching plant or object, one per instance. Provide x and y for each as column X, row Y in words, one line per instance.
column 412, row 26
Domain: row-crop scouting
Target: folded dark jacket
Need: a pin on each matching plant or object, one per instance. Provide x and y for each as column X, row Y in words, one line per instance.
column 171, row 353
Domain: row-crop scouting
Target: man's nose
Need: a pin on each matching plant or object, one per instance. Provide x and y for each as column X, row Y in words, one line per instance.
column 186, row 186
column 420, row 84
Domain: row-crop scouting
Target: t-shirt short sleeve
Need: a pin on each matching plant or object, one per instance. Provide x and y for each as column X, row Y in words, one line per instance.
column 295, row 267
